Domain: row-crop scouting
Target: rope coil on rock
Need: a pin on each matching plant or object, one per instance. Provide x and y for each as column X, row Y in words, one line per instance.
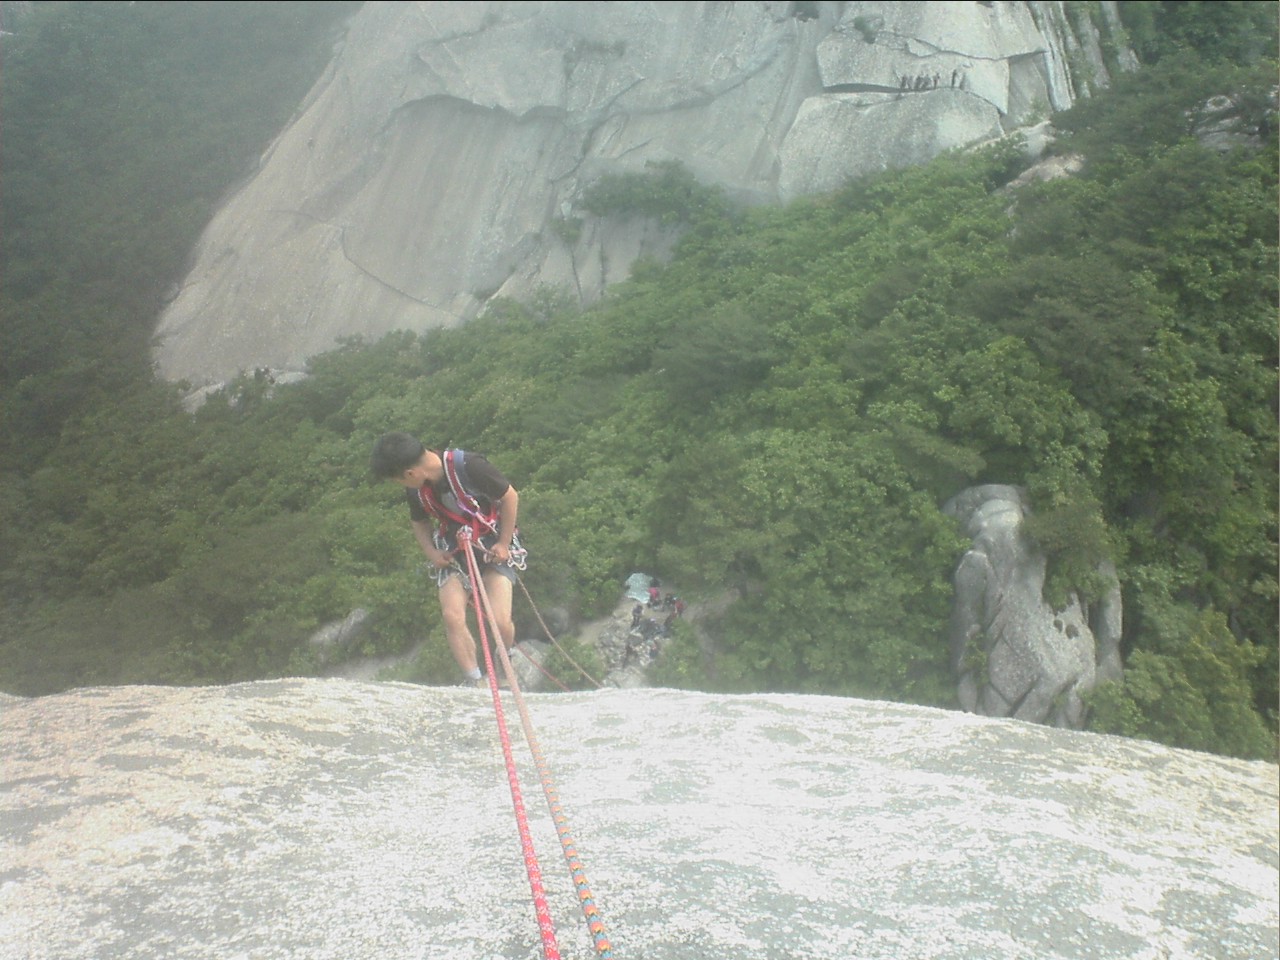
column 594, row 920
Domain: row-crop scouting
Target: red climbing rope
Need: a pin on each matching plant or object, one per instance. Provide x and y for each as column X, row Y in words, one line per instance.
column 595, row 923
column 550, row 949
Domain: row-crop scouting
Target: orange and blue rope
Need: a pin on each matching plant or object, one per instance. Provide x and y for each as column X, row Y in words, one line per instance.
column 595, row 922
column 550, row 949
column 586, row 900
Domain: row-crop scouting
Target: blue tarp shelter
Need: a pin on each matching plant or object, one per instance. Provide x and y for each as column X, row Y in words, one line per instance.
column 638, row 586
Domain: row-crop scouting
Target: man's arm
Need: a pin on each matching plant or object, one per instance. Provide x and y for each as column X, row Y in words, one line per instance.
column 422, row 530
column 508, row 508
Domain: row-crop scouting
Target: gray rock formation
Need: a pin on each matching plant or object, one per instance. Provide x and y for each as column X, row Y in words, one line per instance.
column 331, row 820
column 336, row 641
column 1013, row 654
column 428, row 168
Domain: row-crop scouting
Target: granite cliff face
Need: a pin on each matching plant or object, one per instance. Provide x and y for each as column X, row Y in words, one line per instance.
column 331, row 820
column 1012, row 653
column 427, row 169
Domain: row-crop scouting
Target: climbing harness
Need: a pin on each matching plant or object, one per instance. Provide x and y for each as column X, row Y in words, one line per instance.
column 464, row 513
column 595, row 923
column 441, row 574
column 468, row 514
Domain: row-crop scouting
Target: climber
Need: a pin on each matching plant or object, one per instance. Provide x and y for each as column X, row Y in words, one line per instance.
column 447, row 491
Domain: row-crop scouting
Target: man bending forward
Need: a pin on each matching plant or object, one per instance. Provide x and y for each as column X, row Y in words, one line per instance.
column 447, row 491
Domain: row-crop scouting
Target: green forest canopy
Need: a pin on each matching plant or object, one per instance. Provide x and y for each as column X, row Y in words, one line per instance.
column 776, row 413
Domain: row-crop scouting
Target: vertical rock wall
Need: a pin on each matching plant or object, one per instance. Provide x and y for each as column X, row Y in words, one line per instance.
column 428, row 168
column 1013, row 654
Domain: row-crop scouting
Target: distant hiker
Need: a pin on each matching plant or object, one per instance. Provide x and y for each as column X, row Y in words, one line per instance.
column 447, row 490
column 631, row 649
column 668, row 623
column 636, row 613
column 679, row 607
column 653, row 596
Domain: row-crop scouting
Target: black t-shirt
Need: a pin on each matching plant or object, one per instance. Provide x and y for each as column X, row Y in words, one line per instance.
column 482, row 480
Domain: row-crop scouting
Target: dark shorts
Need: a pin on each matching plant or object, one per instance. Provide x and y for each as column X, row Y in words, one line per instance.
column 459, row 566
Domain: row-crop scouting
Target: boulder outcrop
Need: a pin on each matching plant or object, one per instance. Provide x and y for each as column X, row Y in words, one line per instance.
column 429, row 167
column 1014, row 655
column 335, row 820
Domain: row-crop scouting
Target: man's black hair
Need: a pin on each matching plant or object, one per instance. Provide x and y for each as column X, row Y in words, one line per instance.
column 393, row 454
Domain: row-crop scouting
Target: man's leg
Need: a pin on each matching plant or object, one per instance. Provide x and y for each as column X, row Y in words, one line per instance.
column 453, row 610
column 498, row 587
